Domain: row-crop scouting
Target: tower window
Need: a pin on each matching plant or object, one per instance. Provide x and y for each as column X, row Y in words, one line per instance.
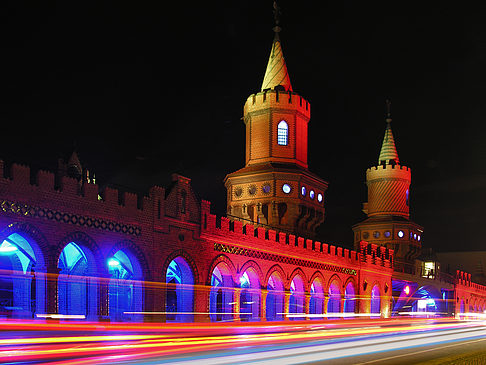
column 283, row 133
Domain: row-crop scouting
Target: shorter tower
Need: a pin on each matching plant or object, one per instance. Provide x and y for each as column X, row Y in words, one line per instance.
column 388, row 206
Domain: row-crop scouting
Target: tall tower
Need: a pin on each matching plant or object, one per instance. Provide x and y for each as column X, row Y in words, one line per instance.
column 388, row 223
column 275, row 188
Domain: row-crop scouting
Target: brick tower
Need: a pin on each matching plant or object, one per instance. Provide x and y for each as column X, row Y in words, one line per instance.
column 388, row 212
column 275, row 188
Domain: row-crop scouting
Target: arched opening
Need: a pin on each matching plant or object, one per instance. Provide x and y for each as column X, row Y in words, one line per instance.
column 275, row 298
column 334, row 302
column 375, row 307
column 179, row 302
column 462, row 307
column 296, row 300
column 221, row 296
column 349, row 299
column 22, row 278
column 283, row 133
column 77, row 290
column 316, row 303
column 250, row 296
column 125, row 292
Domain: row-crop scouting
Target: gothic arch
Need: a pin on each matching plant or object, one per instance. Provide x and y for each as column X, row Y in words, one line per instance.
column 136, row 251
column 280, row 271
column 300, row 272
column 219, row 259
column 316, row 275
column 190, row 261
column 85, row 240
column 38, row 241
column 351, row 280
column 252, row 264
column 334, row 277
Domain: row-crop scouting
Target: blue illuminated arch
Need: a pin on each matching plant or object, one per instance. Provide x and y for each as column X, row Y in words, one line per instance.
column 334, row 301
column 78, row 278
column 250, row 295
column 316, row 303
column 296, row 300
column 275, row 297
column 349, row 298
column 375, row 305
column 222, row 292
column 22, row 275
column 179, row 302
column 125, row 289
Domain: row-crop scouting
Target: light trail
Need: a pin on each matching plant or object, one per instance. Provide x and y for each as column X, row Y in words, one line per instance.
column 102, row 342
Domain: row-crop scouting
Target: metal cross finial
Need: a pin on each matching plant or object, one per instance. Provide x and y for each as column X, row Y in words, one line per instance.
column 388, row 109
column 276, row 17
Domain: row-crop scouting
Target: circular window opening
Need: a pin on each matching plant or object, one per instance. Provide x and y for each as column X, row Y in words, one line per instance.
column 401, row 234
column 286, row 188
column 319, row 198
column 415, row 236
column 311, row 194
column 252, row 190
column 376, row 234
column 366, row 235
column 418, row 237
column 266, row 188
column 387, row 234
column 303, row 191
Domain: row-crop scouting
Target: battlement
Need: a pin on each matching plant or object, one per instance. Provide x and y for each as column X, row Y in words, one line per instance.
column 388, row 171
column 20, row 179
column 301, row 247
column 277, row 99
column 464, row 279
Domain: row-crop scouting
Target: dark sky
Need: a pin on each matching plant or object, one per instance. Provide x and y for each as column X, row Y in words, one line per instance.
column 144, row 89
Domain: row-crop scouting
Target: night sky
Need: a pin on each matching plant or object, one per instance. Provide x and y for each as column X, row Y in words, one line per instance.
column 145, row 89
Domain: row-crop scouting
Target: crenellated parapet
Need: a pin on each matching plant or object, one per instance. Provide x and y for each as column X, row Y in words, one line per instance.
column 275, row 99
column 234, row 236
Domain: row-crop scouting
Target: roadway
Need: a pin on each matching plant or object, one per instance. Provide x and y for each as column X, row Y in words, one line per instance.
column 377, row 341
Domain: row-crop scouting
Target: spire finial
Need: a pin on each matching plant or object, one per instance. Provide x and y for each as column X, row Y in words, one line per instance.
column 388, row 110
column 276, row 17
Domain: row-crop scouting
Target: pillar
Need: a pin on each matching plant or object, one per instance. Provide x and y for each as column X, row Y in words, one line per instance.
column 201, row 303
column 237, row 304
column 263, row 311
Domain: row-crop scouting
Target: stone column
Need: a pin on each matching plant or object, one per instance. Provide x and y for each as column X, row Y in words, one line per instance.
column 307, row 299
column 263, row 306
column 201, row 303
column 287, row 305
column 237, row 304
column 52, row 298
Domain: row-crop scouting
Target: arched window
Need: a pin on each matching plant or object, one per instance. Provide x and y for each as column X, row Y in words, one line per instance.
column 283, row 133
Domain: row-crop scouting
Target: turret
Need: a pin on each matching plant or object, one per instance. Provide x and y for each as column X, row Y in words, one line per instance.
column 388, row 205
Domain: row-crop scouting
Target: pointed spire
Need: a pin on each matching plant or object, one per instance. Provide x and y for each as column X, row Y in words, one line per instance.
column 276, row 73
column 388, row 151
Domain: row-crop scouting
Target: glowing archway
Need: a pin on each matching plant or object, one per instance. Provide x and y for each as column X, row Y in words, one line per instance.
column 275, row 298
column 180, row 291
column 22, row 277
column 349, row 299
column 316, row 303
column 77, row 289
column 125, row 291
column 375, row 306
column 249, row 296
column 296, row 300
column 334, row 302
column 221, row 296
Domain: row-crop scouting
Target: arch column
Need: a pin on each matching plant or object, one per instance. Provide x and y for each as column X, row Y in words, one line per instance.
column 52, row 297
column 237, row 304
column 263, row 306
column 307, row 299
column 103, row 295
column 288, row 294
column 201, row 303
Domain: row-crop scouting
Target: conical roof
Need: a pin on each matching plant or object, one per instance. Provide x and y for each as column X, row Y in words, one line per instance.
column 388, row 151
column 276, row 73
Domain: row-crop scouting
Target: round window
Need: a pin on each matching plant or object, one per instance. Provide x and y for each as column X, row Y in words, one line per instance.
column 303, row 191
column 376, row 234
column 366, row 235
column 311, row 194
column 238, row 192
column 286, row 188
column 401, row 234
column 319, row 198
column 252, row 190
column 387, row 234
column 266, row 188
